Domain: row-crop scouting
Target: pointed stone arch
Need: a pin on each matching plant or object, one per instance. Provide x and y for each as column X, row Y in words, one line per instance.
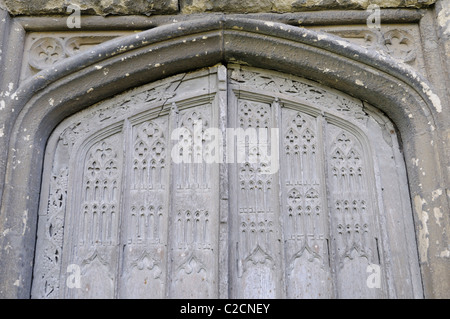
column 44, row 100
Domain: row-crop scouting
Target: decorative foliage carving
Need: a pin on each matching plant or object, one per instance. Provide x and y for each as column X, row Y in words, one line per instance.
column 50, row 260
column 160, row 93
column 306, row 90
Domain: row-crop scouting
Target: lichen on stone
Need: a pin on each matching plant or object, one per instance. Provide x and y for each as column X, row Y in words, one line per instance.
column 280, row 6
column 92, row 7
column 159, row 7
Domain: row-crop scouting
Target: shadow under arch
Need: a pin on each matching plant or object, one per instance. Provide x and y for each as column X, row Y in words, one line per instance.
column 44, row 100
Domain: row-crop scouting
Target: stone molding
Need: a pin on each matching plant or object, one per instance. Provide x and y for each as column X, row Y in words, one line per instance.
column 44, row 100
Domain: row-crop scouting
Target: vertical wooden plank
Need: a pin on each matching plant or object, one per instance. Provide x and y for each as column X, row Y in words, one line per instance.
column 94, row 229
column 304, row 209
column 256, row 233
column 353, row 213
column 195, row 203
column 222, row 104
column 145, row 212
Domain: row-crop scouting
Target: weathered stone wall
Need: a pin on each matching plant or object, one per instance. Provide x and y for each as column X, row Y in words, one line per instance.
column 402, row 68
column 149, row 7
column 196, row 6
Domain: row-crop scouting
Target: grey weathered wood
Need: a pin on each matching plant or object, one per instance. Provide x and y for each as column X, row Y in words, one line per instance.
column 140, row 225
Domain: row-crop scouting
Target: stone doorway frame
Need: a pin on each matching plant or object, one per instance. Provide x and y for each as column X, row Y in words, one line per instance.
column 76, row 83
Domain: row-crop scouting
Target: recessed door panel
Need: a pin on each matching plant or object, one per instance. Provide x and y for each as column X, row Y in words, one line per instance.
column 150, row 195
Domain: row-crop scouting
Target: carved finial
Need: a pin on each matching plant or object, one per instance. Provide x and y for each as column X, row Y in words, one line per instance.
column 276, row 102
column 174, row 108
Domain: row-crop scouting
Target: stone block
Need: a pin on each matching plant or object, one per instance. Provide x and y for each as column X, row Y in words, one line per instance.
column 158, row 7
column 253, row 6
column 93, row 7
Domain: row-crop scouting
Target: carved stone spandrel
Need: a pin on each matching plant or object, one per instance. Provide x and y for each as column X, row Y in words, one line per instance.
column 44, row 49
column 396, row 41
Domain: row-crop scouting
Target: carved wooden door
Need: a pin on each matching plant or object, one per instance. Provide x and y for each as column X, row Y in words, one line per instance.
column 222, row 183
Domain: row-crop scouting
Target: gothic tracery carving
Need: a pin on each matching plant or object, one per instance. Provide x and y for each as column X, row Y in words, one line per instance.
column 45, row 52
column 315, row 212
column 100, row 206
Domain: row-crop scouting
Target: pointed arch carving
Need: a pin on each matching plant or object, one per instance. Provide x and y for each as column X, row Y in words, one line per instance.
column 412, row 110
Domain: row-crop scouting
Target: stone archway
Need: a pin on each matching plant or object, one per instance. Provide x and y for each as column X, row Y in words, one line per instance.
column 156, row 54
column 298, row 202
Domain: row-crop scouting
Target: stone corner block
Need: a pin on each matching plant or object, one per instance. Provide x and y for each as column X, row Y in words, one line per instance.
column 93, row 7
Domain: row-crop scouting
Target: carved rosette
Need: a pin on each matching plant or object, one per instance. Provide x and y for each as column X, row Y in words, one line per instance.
column 397, row 43
column 400, row 45
column 45, row 52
